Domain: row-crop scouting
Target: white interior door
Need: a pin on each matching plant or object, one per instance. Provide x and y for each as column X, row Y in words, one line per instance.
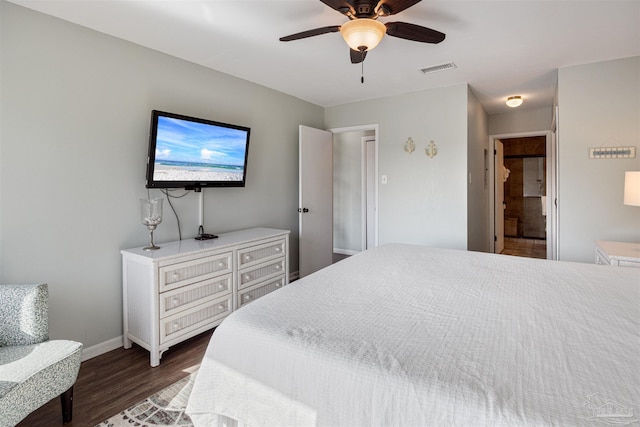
column 499, row 197
column 315, row 199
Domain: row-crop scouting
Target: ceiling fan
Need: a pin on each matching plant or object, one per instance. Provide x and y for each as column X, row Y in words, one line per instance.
column 363, row 31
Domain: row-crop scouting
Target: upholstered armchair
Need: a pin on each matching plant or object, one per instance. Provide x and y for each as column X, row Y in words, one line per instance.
column 33, row 369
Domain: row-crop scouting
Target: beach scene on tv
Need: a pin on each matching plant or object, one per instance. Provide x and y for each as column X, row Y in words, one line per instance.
column 193, row 151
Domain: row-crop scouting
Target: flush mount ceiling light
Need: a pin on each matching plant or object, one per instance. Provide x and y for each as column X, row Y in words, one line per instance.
column 363, row 34
column 514, row 101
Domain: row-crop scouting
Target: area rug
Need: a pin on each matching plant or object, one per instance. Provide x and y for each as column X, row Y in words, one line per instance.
column 165, row 408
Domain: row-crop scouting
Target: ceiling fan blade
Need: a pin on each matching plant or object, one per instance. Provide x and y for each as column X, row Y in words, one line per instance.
column 341, row 6
column 396, row 6
column 311, row 33
column 357, row 56
column 414, row 32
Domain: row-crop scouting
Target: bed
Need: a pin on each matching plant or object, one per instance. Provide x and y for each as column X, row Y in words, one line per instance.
column 405, row 335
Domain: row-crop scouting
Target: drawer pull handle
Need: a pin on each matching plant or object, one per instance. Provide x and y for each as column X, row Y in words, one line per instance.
column 278, row 267
column 175, row 301
column 247, row 297
column 221, row 286
column 175, row 326
column 221, row 264
column 278, row 249
column 247, row 257
column 247, row 277
column 278, row 285
column 222, row 307
column 176, row 276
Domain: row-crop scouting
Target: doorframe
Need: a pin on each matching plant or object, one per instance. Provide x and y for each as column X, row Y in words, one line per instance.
column 552, row 173
column 374, row 128
column 364, row 169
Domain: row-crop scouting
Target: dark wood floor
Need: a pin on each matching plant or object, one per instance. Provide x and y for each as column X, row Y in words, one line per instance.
column 530, row 248
column 116, row 380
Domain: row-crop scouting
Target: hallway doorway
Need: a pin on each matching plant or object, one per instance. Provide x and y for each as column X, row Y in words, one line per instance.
column 523, row 179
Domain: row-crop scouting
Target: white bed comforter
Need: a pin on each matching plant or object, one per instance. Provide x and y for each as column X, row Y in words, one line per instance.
column 404, row 335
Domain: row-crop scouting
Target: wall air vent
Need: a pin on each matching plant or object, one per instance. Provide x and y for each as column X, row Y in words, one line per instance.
column 447, row 66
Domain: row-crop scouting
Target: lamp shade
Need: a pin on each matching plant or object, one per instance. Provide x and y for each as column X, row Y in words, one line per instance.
column 632, row 188
column 363, row 33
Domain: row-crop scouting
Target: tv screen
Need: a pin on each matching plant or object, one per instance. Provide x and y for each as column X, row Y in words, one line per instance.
column 187, row 152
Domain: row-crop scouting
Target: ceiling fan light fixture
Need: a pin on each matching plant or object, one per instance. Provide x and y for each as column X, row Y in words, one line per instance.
column 514, row 101
column 363, row 33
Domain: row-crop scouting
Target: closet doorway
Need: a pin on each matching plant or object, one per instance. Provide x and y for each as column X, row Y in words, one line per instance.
column 524, row 188
column 354, row 190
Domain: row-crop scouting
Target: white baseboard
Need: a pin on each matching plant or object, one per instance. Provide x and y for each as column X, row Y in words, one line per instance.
column 345, row 251
column 102, row 348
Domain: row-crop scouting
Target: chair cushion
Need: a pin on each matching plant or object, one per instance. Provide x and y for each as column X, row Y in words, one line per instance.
column 32, row 375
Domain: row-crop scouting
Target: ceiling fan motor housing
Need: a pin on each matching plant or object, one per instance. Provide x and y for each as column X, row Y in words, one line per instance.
column 364, row 10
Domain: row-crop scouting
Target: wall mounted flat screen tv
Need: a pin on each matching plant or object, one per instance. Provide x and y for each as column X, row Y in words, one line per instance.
column 192, row 153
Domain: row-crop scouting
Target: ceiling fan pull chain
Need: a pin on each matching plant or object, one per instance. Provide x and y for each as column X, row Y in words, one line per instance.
column 362, row 68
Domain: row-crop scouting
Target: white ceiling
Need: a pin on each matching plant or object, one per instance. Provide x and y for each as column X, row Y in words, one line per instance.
column 500, row 47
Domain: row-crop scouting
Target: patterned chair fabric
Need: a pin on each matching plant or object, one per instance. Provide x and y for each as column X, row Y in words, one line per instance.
column 33, row 369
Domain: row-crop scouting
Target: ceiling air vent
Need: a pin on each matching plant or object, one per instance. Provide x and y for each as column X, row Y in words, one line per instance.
column 447, row 66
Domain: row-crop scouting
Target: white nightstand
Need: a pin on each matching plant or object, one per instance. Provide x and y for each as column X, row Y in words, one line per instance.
column 618, row 254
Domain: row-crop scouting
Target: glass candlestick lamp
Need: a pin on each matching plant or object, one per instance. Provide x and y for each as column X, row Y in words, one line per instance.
column 151, row 216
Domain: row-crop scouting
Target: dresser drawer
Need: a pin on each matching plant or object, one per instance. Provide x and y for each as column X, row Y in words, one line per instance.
column 204, row 315
column 261, row 253
column 252, row 275
column 183, row 298
column 253, row 293
column 188, row 272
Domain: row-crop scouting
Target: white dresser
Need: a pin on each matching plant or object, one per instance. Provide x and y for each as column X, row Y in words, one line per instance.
column 189, row 286
column 619, row 254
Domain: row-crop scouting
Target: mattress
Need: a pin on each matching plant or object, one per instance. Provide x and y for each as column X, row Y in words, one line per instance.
column 405, row 335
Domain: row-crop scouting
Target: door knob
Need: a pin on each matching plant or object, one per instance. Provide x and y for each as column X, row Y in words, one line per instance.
column 303, row 210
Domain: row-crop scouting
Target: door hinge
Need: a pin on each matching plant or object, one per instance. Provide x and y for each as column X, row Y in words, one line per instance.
column 495, row 238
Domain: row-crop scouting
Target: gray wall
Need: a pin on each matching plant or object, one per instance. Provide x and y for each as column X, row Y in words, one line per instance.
column 599, row 107
column 74, row 131
column 425, row 200
column 521, row 121
column 477, row 184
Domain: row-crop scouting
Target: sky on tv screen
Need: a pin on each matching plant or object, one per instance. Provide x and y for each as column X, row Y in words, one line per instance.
column 192, row 142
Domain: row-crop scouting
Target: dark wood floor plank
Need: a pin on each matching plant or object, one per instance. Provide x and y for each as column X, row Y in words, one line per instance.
column 116, row 380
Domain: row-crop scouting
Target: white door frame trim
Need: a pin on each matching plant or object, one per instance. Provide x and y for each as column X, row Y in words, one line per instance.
column 364, row 165
column 550, row 190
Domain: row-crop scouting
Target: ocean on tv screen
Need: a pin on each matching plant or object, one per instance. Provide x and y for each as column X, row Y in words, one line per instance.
column 190, row 171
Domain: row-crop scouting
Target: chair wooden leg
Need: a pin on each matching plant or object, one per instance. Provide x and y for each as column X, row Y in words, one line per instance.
column 66, row 399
